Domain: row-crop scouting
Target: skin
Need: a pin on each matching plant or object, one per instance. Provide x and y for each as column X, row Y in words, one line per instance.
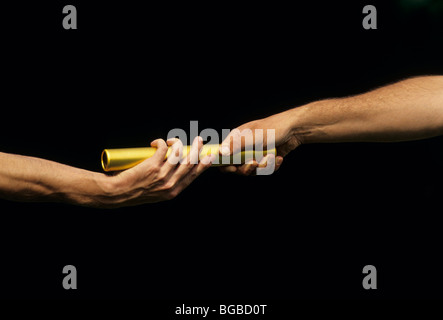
column 408, row 110
column 25, row 178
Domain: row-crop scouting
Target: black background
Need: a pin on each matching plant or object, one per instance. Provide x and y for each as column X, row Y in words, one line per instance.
column 132, row 71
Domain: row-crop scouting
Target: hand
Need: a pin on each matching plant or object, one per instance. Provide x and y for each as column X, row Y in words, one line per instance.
column 285, row 142
column 156, row 180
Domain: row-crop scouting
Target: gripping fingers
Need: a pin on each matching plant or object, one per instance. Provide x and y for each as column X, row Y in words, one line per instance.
column 176, row 153
column 162, row 149
column 232, row 143
column 168, row 166
column 193, row 155
column 248, row 168
column 278, row 162
column 188, row 163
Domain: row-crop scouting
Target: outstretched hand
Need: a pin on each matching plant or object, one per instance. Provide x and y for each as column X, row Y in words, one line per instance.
column 285, row 142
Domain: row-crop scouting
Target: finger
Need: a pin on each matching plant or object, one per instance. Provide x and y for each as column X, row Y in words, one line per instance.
column 162, row 149
column 168, row 167
column 171, row 141
column 175, row 155
column 278, row 162
column 248, row 168
column 267, row 165
column 264, row 161
column 204, row 164
column 228, row 169
column 191, row 159
column 232, row 144
column 194, row 154
column 155, row 161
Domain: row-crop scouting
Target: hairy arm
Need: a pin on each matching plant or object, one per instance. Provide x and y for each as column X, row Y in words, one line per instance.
column 407, row 110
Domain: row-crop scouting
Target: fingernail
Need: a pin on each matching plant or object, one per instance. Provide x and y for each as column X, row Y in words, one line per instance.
column 209, row 159
column 279, row 161
column 200, row 139
column 206, row 160
column 225, row 151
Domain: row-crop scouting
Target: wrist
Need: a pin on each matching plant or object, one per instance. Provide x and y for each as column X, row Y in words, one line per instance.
column 311, row 123
column 104, row 190
column 300, row 127
column 108, row 190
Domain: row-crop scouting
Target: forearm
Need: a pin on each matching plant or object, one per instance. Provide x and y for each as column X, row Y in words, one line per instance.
column 408, row 110
column 25, row 178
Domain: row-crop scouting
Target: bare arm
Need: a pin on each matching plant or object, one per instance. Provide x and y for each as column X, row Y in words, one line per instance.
column 25, row 178
column 408, row 110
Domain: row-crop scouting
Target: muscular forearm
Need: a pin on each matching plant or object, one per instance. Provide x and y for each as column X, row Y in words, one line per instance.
column 32, row 179
column 408, row 110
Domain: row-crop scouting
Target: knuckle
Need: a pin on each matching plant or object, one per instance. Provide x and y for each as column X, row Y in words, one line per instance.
column 178, row 143
column 169, row 185
column 193, row 173
column 189, row 165
column 168, row 196
column 161, row 144
column 246, row 171
column 173, row 193
column 155, row 171
column 161, row 176
column 162, row 148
